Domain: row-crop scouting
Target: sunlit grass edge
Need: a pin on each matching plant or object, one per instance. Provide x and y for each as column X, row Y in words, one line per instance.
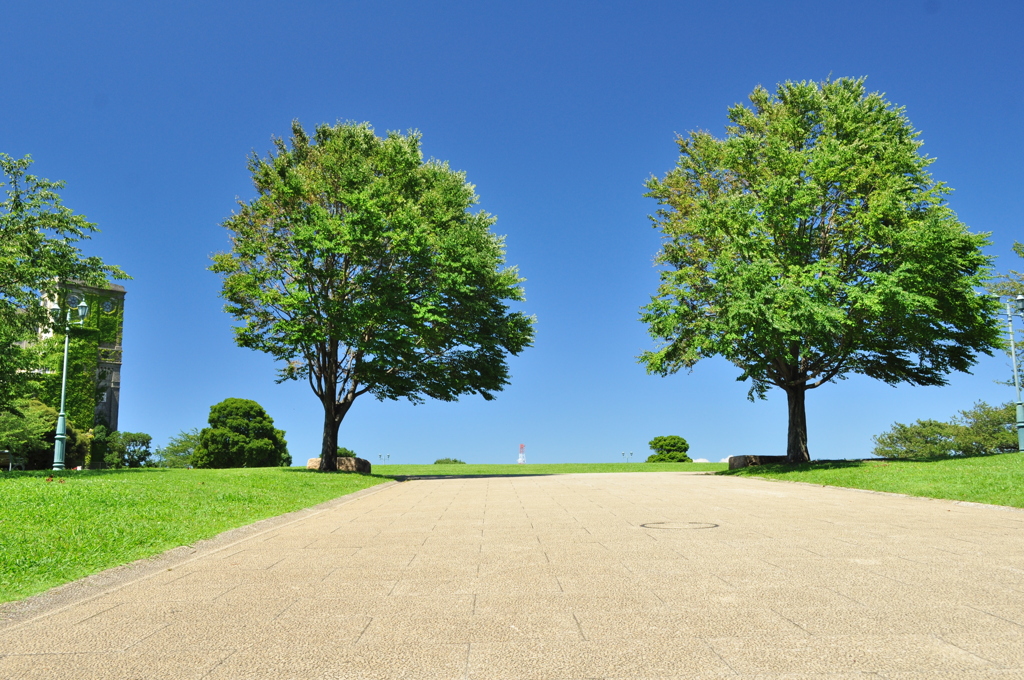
column 997, row 480
column 82, row 522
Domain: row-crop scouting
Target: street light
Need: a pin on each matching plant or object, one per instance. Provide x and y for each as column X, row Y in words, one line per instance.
column 1016, row 306
column 77, row 305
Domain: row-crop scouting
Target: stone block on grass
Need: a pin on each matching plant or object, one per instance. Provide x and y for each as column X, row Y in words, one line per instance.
column 737, row 462
column 345, row 464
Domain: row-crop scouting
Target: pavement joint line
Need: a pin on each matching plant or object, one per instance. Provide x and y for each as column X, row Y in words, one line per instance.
column 23, row 612
column 967, row 651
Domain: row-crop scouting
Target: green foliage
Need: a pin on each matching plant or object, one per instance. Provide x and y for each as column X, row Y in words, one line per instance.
column 345, row 453
column 179, row 450
column 54, row 533
column 669, row 449
column 672, row 457
column 82, row 386
column 16, row 367
column 29, row 433
column 98, row 447
column 981, row 431
column 449, row 461
column 38, row 252
column 1012, row 283
column 812, row 243
column 921, row 439
column 360, row 267
column 127, row 449
column 241, row 434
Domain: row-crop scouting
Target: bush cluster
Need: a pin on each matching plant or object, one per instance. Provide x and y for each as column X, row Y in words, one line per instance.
column 29, row 433
column 669, row 449
column 241, row 434
column 449, row 461
column 126, row 449
column 979, row 431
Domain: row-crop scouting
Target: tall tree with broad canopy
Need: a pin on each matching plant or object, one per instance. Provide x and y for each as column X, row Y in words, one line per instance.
column 811, row 243
column 360, row 266
column 39, row 252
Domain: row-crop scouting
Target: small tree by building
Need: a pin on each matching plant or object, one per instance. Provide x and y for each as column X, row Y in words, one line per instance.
column 241, row 434
column 127, row 449
column 27, row 430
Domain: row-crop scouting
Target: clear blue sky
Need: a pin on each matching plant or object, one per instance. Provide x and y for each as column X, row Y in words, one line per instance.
column 558, row 112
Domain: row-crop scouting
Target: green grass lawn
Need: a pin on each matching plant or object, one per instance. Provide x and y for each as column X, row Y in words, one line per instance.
column 52, row 532
column 989, row 479
column 552, row 469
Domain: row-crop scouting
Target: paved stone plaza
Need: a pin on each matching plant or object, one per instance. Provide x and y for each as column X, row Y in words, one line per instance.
column 642, row 575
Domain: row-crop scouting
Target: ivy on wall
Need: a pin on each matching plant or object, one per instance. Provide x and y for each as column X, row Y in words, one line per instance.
column 94, row 338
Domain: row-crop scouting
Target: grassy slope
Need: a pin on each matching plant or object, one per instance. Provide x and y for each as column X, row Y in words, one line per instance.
column 991, row 479
column 553, row 469
column 52, row 532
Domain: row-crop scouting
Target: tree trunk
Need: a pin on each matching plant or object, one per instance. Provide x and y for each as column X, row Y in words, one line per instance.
column 329, row 445
column 334, row 413
column 796, row 445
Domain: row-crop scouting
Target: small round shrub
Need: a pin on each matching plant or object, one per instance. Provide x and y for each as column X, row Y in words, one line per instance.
column 449, row 461
column 669, row 449
column 669, row 458
column 241, row 434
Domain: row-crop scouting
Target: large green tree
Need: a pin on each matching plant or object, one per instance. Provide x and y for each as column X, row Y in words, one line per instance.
column 360, row 266
column 39, row 252
column 812, row 243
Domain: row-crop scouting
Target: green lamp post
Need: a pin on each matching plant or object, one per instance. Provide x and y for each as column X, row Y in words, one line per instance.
column 1016, row 306
column 77, row 305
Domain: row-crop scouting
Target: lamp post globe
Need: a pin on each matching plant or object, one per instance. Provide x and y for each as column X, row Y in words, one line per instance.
column 78, row 306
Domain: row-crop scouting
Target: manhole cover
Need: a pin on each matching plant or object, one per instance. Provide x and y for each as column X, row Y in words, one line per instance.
column 679, row 525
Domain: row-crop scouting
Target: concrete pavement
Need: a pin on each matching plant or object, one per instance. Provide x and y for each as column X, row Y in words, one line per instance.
column 613, row 576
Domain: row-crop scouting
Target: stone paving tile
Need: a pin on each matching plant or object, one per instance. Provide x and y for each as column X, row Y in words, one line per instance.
column 318, row 657
column 555, row 577
column 893, row 620
column 834, row 654
column 546, row 659
column 180, row 664
column 1004, row 649
column 676, row 623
